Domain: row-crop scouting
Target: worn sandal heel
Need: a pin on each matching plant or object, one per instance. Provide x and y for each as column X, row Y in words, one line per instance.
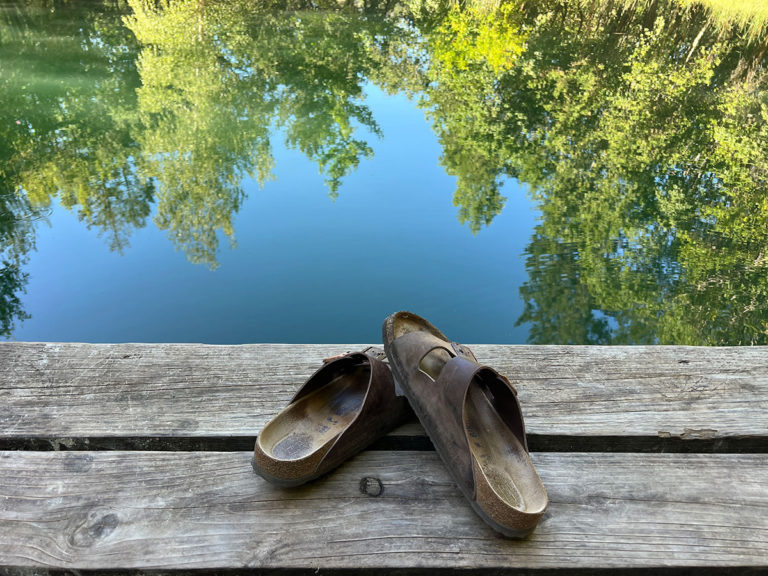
column 343, row 407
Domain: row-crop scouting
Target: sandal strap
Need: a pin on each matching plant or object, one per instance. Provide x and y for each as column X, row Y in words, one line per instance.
column 372, row 351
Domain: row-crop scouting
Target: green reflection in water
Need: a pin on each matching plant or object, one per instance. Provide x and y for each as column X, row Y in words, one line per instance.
column 61, row 87
column 640, row 129
column 217, row 78
column 643, row 137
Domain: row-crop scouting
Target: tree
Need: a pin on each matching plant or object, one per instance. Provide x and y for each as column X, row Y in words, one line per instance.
column 68, row 89
column 639, row 129
column 54, row 69
column 217, row 79
column 469, row 50
column 643, row 141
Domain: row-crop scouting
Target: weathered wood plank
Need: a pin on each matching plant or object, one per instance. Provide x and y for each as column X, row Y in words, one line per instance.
column 193, row 390
column 206, row 510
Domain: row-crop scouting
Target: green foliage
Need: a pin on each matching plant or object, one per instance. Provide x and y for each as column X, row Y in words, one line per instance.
column 54, row 136
column 179, row 106
column 748, row 15
column 639, row 127
column 218, row 79
column 647, row 157
column 12, row 283
column 470, row 37
column 16, row 240
column 201, row 130
column 469, row 50
column 70, row 105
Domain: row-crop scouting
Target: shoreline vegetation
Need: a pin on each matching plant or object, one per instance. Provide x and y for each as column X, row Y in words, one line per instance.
column 640, row 128
column 751, row 16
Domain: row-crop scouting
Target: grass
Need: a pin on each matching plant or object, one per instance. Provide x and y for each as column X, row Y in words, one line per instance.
column 750, row 15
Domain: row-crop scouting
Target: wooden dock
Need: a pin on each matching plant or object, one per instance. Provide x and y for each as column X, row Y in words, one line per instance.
column 136, row 457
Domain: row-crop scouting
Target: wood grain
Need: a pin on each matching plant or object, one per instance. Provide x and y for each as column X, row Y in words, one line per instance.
column 191, row 390
column 208, row 510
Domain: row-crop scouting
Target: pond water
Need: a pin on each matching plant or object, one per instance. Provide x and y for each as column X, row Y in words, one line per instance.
column 580, row 172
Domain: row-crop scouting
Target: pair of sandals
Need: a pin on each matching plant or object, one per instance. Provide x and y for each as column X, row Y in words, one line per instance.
column 470, row 412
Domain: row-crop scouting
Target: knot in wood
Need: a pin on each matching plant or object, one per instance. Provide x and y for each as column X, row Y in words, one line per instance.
column 94, row 528
column 371, row 486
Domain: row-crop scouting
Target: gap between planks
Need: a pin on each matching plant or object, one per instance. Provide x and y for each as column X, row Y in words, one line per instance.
column 398, row 442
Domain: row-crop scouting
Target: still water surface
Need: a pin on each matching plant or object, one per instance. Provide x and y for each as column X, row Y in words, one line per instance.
column 231, row 172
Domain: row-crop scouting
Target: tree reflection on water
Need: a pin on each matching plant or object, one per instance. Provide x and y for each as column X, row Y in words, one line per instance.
column 639, row 129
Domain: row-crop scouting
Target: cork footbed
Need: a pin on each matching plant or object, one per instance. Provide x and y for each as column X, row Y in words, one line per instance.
column 315, row 419
column 501, row 457
column 406, row 323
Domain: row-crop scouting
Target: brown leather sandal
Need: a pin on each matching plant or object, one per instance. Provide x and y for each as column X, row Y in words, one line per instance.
column 472, row 414
column 343, row 407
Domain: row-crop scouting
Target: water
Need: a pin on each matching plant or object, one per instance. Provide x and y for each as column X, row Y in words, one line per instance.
column 233, row 174
column 305, row 268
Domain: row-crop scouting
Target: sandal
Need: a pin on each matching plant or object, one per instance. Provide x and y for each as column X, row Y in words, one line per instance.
column 343, row 407
column 473, row 417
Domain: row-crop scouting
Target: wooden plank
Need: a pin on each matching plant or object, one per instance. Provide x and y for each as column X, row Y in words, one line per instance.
column 191, row 390
column 208, row 510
